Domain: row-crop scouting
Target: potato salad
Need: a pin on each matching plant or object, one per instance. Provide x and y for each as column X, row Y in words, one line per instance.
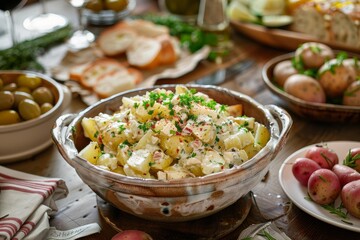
column 169, row 135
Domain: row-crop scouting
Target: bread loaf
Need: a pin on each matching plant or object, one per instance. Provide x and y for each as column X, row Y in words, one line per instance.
column 332, row 21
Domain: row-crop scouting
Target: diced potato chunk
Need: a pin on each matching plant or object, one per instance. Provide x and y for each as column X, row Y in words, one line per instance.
column 107, row 160
column 248, row 122
column 239, row 140
column 235, row 110
column 176, row 145
column 262, row 135
column 90, row 128
column 129, row 171
column 159, row 160
column 212, row 162
column 91, row 152
column 140, row 160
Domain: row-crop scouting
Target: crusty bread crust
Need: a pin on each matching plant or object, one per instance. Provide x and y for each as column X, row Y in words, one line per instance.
column 332, row 21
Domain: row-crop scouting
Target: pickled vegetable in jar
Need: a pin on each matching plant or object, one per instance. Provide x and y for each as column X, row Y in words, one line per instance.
column 185, row 9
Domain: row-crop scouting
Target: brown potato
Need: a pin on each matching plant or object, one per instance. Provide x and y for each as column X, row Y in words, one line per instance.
column 352, row 94
column 313, row 54
column 282, row 71
column 354, row 63
column 305, row 88
column 335, row 77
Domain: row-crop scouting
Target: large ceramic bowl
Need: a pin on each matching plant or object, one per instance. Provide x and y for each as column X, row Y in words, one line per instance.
column 175, row 200
column 22, row 140
column 323, row 112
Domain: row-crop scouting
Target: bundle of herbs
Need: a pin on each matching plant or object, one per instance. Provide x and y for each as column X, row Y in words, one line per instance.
column 23, row 56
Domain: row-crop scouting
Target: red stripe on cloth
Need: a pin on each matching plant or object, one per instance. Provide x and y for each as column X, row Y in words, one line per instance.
column 47, row 192
column 32, row 184
column 11, row 177
column 25, row 230
column 9, row 226
column 30, row 223
column 6, row 231
column 41, row 193
column 17, row 220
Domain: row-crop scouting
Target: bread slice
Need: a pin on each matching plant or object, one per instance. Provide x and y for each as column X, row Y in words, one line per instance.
column 170, row 49
column 116, row 40
column 144, row 53
column 146, row 28
column 117, row 81
column 76, row 71
column 98, row 68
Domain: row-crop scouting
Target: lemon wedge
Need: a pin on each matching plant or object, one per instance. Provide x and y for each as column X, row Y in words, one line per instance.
column 238, row 11
column 277, row 20
column 268, row 7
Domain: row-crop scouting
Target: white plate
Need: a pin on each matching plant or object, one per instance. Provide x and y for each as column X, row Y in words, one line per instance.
column 298, row 193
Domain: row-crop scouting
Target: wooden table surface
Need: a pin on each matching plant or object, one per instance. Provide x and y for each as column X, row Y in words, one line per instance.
column 80, row 206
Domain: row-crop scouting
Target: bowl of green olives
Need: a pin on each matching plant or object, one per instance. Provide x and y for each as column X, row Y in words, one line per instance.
column 29, row 105
column 107, row 12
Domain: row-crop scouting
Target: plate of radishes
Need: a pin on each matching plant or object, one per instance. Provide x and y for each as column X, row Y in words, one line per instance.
column 323, row 180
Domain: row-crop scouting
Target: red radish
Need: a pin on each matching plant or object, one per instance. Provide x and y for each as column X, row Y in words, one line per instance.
column 323, row 155
column 345, row 174
column 324, row 186
column 132, row 235
column 350, row 196
column 303, row 168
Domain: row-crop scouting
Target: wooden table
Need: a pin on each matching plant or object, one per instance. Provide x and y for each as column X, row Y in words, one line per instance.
column 80, row 206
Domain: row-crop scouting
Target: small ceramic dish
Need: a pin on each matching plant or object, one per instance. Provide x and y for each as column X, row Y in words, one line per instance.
column 173, row 200
column 323, row 112
column 22, row 140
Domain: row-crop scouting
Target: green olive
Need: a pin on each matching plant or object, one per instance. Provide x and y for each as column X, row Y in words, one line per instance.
column 9, row 117
column 29, row 109
column 10, row 87
column 43, row 95
column 46, row 107
column 94, row 5
column 1, row 83
column 7, row 100
column 29, row 81
column 19, row 96
column 116, row 5
column 24, row 89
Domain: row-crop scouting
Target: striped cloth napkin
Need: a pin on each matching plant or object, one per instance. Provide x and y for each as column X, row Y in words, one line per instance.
column 26, row 201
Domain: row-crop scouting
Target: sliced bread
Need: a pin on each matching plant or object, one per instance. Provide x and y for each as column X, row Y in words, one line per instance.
column 144, row 53
column 116, row 40
column 117, row 81
column 98, row 68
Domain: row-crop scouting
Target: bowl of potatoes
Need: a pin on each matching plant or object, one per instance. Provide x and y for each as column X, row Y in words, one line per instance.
column 30, row 102
column 172, row 152
column 317, row 83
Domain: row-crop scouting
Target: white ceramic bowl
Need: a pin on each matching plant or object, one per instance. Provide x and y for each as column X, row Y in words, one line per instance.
column 174, row 200
column 22, row 140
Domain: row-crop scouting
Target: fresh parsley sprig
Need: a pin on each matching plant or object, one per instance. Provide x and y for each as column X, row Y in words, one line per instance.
column 191, row 36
